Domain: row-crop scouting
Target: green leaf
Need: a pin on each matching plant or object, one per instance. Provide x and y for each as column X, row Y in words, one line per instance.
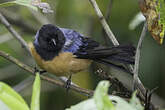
column 3, row 106
column 84, row 105
column 4, row 88
column 101, row 97
column 121, row 104
column 10, row 99
column 6, row 4
column 135, row 102
column 35, row 102
column 100, row 101
column 26, row 3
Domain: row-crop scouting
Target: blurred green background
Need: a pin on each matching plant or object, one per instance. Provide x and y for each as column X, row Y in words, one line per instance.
column 80, row 16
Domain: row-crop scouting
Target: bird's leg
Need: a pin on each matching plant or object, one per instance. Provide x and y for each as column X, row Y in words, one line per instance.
column 68, row 83
column 37, row 70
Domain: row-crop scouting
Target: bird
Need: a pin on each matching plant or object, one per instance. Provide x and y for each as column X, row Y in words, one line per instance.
column 63, row 51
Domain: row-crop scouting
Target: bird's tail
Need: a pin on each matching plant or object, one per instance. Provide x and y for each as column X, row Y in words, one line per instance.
column 116, row 56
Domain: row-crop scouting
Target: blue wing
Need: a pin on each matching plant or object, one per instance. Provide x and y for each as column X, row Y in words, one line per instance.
column 75, row 42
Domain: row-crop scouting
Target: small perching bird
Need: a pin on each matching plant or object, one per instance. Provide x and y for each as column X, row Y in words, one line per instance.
column 64, row 51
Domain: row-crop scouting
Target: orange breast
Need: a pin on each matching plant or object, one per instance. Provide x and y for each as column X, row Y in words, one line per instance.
column 62, row 65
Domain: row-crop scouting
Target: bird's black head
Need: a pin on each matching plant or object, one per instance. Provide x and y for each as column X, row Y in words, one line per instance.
column 49, row 41
column 50, row 38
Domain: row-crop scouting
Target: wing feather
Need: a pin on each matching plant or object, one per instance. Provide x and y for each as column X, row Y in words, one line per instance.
column 86, row 48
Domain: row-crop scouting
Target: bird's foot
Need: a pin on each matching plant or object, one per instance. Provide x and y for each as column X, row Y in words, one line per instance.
column 68, row 83
column 37, row 70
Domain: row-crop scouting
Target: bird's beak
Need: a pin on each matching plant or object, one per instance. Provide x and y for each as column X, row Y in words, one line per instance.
column 54, row 41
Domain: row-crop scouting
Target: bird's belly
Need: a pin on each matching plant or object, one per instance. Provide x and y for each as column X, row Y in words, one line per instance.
column 65, row 64
column 62, row 65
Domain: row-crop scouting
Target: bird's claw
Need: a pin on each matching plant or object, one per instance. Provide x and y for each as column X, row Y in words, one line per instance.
column 68, row 83
column 37, row 70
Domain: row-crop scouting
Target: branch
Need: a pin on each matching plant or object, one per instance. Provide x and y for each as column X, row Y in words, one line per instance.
column 13, row 32
column 54, row 81
column 138, row 49
column 137, row 84
column 108, row 31
column 104, row 23
column 17, row 20
column 137, row 58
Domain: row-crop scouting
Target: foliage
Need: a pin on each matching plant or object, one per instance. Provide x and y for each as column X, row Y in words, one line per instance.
column 35, row 102
column 134, row 101
column 153, row 10
column 161, row 10
column 11, row 100
column 101, row 97
column 101, row 101
column 33, row 4
column 27, row 3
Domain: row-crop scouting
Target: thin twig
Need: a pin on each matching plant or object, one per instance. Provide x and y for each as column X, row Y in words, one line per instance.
column 104, row 23
column 17, row 20
column 54, row 81
column 106, row 27
column 137, row 84
column 13, row 32
column 108, row 31
column 137, row 56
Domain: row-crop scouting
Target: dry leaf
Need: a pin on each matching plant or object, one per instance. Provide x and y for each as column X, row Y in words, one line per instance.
column 150, row 10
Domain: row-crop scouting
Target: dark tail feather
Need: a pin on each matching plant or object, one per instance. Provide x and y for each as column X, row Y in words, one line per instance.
column 114, row 56
column 125, row 55
column 121, row 59
column 122, row 49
